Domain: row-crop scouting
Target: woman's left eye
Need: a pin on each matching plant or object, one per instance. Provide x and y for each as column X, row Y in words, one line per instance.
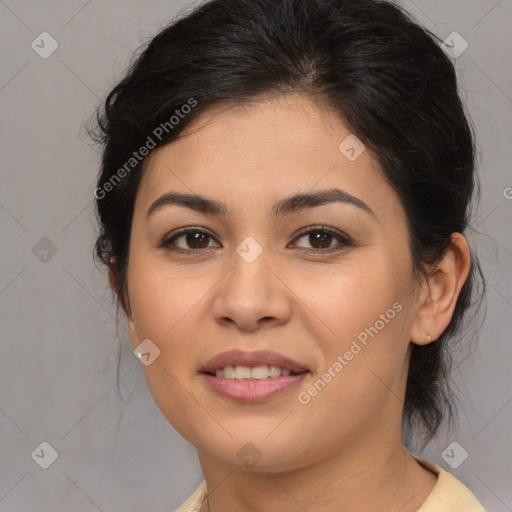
column 320, row 238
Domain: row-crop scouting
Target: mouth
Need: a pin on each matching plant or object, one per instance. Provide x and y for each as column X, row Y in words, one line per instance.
column 252, row 376
column 260, row 372
column 256, row 359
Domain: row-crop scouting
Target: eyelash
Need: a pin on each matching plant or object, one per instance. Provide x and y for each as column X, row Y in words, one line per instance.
column 344, row 240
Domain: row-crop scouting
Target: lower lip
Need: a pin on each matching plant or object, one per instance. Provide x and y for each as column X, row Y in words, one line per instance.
column 252, row 390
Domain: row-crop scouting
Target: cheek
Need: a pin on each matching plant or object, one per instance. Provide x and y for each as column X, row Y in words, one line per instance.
column 162, row 297
column 347, row 300
column 170, row 306
column 360, row 316
column 360, row 378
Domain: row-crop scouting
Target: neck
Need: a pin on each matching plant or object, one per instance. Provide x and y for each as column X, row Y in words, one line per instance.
column 362, row 476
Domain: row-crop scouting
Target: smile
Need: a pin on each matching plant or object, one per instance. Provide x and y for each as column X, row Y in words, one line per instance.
column 252, row 389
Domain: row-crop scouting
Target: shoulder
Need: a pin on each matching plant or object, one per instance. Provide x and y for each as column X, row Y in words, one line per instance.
column 193, row 503
column 449, row 494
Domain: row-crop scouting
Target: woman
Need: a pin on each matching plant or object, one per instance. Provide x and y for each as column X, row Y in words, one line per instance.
column 284, row 191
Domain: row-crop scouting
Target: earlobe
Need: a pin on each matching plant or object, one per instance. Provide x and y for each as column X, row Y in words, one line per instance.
column 443, row 287
column 424, row 330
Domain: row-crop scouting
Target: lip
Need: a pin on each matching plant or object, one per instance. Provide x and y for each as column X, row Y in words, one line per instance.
column 251, row 359
column 248, row 390
column 252, row 390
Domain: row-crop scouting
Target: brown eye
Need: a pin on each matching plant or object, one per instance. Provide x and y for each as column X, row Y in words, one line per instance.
column 196, row 240
column 193, row 239
column 320, row 240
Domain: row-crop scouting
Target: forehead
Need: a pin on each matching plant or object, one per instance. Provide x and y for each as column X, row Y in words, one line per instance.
column 267, row 149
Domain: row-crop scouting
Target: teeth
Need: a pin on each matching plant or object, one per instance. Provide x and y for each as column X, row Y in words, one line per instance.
column 242, row 372
column 264, row 372
column 256, row 372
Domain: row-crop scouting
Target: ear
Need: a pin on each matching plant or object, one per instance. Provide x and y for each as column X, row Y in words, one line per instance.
column 444, row 283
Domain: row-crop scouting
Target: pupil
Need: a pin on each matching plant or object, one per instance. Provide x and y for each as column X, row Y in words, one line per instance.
column 320, row 237
column 196, row 238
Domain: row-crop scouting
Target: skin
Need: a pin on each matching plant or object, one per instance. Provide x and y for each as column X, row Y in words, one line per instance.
column 342, row 451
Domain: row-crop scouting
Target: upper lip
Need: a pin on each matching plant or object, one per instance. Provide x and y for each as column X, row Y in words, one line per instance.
column 256, row 358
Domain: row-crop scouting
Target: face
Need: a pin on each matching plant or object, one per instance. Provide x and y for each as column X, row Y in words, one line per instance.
column 327, row 284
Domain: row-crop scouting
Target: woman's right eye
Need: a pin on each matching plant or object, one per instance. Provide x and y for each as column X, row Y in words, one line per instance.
column 192, row 239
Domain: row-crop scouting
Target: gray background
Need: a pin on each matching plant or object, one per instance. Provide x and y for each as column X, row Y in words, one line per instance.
column 58, row 337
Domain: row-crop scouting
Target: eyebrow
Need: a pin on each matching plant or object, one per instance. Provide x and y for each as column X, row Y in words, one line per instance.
column 293, row 204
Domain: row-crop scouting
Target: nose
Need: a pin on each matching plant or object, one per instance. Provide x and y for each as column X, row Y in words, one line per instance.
column 252, row 296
